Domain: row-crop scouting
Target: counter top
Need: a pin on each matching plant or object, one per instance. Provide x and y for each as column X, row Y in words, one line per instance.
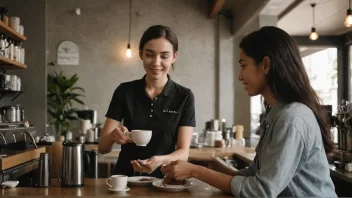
column 246, row 157
column 195, row 154
column 20, row 156
column 342, row 174
column 98, row 188
column 204, row 154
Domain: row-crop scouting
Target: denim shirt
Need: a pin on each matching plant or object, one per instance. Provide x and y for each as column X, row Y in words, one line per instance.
column 290, row 158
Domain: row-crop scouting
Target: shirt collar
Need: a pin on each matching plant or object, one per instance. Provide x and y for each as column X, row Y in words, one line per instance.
column 278, row 106
column 168, row 89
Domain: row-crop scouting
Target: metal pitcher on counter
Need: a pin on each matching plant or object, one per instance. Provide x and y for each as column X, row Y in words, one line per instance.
column 77, row 164
column 72, row 165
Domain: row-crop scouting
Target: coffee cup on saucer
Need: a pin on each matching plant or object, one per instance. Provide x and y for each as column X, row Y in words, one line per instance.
column 117, row 183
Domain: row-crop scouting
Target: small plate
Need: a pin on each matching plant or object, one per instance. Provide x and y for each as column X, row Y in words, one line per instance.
column 136, row 180
column 171, row 188
column 115, row 190
column 10, row 184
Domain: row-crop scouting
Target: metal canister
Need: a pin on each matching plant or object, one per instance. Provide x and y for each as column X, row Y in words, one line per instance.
column 7, row 82
column 10, row 114
column 13, row 82
column 2, row 82
column 18, row 113
column 22, row 114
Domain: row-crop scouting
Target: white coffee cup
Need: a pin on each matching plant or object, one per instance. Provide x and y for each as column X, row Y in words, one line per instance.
column 140, row 137
column 117, row 182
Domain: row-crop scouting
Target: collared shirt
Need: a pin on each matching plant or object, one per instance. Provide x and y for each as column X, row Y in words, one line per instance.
column 172, row 108
column 290, row 157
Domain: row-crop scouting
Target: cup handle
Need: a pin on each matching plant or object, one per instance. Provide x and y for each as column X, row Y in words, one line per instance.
column 128, row 134
column 107, row 182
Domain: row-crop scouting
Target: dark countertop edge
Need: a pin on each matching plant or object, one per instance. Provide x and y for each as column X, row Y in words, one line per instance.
column 346, row 176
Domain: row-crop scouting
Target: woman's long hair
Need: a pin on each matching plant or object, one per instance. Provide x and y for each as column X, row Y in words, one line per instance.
column 287, row 76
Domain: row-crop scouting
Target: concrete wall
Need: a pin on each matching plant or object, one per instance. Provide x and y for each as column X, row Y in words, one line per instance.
column 33, row 17
column 247, row 109
column 226, row 75
column 101, row 32
column 242, row 100
column 207, row 60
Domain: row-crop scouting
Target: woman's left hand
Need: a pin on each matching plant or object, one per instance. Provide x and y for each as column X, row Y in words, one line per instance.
column 148, row 165
column 179, row 170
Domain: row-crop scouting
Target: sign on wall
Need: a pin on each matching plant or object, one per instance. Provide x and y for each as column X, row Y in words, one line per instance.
column 67, row 53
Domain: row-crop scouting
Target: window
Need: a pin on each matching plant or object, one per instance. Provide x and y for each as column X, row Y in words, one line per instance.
column 321, row 67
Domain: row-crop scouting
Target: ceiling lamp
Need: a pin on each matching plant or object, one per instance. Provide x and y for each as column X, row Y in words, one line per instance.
column 313, row 34
column 348, row 20
column 128, row 51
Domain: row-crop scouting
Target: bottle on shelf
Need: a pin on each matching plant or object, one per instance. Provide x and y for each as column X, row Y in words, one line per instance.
column 18, row 53
column 2, row 45
column 12, row 50
column 7, row 46
column 22, row 53
column 15, row 51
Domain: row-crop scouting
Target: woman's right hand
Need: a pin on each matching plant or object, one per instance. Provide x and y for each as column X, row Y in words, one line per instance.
column 119, row 135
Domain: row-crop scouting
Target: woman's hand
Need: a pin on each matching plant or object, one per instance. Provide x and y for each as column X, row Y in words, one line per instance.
column 119, row 135
column 179, row 170
column 148, row 165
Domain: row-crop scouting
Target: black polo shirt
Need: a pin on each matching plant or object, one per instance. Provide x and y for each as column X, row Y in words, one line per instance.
column 172, row 108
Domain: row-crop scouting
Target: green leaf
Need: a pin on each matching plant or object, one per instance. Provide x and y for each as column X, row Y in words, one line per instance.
column 52, row 113
column 61, row 94
column 77, row 88
column 78, row 101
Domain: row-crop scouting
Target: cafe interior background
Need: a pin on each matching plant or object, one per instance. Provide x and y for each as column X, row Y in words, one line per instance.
column 209, row 32
column 208, row 54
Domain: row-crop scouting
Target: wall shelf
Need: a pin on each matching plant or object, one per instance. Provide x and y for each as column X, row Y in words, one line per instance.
column 6, row 63
column 11, row 33
column 14, row 94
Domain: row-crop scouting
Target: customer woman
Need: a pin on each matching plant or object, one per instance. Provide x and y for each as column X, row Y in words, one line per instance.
column 291, row 157
column 155, row 103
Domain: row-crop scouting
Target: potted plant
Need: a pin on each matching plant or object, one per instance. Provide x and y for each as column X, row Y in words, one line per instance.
column 62, row 92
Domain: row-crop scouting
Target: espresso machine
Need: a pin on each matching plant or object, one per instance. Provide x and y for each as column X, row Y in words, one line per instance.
column 88, row 114
column 343, row 122
column 16, row 137
column 88, row 119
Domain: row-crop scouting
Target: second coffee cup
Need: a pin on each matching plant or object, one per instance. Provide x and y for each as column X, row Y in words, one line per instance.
column 140, row 137
column 117, row 182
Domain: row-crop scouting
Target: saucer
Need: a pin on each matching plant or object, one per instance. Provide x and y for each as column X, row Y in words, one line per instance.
column 171, row 188
column 141, row 180
column 10, row 184
column 115, row 190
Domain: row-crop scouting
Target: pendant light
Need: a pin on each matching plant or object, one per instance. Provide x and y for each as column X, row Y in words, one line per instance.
column 128, row 51
column 348, row 20
column 313, row 34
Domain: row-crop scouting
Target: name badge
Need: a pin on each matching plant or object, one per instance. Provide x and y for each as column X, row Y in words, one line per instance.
column 169, row 111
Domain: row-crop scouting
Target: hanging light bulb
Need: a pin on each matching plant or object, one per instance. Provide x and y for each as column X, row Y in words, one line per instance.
column 313, row 34
column 348, row 20
column 128, row 51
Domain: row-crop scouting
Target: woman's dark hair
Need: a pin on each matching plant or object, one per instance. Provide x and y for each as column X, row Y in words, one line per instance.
column 159, row 31
column 287, row 76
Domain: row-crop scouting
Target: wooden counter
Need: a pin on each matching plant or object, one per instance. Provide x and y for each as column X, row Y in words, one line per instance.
column 20, row 157
column 195, row 154
column 246, row 157
column 98, row 188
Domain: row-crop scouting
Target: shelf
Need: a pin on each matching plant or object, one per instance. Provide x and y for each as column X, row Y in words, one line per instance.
column 9, row 92
column 8, row 31
column 6, row 63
